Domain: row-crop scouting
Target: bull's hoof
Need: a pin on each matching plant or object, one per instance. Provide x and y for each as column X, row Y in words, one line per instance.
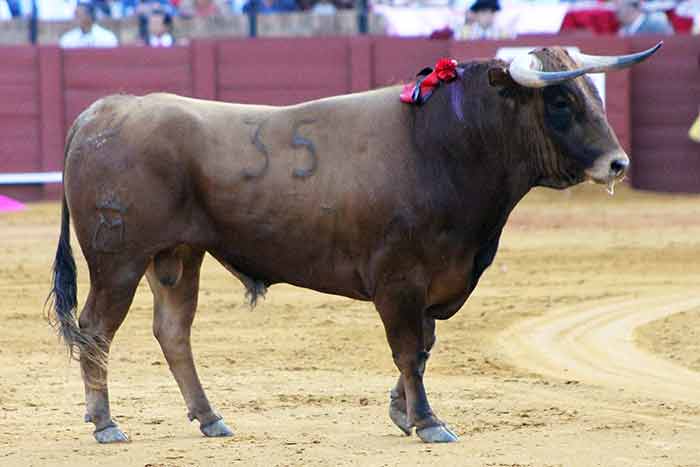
column 216, row 429
column 437, row 434
column 111, row 434
column 400, row 419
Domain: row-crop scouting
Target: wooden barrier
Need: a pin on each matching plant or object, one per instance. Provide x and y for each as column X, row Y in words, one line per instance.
column 20, row 123
column 43, row 89
column 665, row 101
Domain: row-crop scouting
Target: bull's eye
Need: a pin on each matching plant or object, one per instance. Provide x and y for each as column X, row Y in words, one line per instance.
column 561, row 104
column 559, row 113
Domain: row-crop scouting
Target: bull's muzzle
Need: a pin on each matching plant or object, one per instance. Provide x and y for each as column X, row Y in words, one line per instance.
column 618, row 167
column 609, row 167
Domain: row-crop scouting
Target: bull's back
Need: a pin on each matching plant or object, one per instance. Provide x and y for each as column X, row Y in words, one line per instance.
column 295, row 194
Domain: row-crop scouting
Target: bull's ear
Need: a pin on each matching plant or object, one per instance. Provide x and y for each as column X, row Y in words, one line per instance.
column 499, row 76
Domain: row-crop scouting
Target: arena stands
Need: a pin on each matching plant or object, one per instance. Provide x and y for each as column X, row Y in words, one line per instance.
column 440, row 18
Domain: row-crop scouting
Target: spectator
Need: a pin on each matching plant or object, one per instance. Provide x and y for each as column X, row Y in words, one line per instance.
column 5, row 12
column 266, row 7
column 143, row 8
column 634, row 20
column 88, row 33
column 199, row 8
column 323, row 7
column 160, row 29
column 103, row 8
column 690, row 9
column 14, row 7
column 480, row 22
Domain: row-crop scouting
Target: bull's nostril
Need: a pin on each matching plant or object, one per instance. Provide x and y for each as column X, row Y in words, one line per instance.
column 619, row 166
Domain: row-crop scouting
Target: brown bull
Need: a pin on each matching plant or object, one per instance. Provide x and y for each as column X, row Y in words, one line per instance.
column 359, row 195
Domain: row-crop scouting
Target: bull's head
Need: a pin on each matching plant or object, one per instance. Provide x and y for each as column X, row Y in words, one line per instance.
column 579, row 143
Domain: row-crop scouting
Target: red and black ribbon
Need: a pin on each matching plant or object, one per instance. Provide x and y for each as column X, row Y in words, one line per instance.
column 428, row 79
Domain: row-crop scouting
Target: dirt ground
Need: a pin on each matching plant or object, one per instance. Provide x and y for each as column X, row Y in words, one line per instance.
column 540, row 368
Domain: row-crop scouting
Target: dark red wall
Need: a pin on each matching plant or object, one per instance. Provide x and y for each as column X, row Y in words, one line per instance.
column 43, row 89
column 666, row 97
column 20, row 129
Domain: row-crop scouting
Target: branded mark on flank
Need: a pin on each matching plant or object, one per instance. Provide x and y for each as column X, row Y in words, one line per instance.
column 109, row 233
column 298, row 141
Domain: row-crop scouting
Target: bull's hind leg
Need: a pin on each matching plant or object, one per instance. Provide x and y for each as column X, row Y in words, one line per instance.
column 174, row 280
column 111, row 293
column 401, row 310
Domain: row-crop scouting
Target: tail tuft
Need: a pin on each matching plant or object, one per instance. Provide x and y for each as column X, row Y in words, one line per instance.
column 63, row 300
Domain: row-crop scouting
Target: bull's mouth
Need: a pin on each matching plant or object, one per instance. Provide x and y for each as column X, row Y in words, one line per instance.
column 608, row 182
column 609, row 170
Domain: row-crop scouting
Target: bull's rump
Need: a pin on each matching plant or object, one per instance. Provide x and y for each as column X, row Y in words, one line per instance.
column 297, row 194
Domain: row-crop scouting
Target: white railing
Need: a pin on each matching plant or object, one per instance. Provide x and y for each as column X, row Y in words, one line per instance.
column 29, row 178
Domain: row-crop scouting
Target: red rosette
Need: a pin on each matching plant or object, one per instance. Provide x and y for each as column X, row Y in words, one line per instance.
column 446, row 69
column 418, row 92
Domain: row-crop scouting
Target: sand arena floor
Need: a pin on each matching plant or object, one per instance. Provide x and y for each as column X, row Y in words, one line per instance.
column 580, row 347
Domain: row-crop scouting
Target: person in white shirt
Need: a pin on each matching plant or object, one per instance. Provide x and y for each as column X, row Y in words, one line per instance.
column 88, row 33
column 160, row 25
column 634, row 20
column 5, row 12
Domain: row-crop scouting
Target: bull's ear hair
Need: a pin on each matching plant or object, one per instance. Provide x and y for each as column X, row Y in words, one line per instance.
column 499, row 76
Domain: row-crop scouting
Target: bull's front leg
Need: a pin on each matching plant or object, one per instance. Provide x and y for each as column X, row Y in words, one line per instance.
column 397, row 398
column 402, row 308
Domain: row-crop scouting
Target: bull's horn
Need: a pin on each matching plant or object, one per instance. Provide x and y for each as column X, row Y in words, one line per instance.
column 602, row 63
column 526, row 71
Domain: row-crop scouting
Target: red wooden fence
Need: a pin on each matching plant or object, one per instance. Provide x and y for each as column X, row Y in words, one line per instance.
column 665, row 101
column 43, row 89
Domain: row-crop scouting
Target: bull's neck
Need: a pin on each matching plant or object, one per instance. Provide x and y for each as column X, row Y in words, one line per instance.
column 477, row 155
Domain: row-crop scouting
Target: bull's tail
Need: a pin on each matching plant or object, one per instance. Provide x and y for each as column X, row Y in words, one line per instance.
column 63, row 298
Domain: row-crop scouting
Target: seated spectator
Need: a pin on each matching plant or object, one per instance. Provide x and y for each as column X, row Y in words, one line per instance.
column 88, row 33
column 5, row 12
column 199, row 8
column 103, row 8
column 634, row 20
column 345, row 4
column 480, row 22
column 116, row 9
column 690, row 9
column 323, row 7
column 160, row 29
column 143, row 8
column 15, row 7
column 266, row 7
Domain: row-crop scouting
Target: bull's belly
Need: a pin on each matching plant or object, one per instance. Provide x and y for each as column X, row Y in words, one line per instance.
column 322, row 270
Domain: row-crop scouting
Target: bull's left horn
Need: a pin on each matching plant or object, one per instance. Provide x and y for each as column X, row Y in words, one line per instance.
column 526, row 71
column 602, row 63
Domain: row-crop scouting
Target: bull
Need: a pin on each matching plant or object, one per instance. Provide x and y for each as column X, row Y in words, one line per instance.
column 358, row 195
